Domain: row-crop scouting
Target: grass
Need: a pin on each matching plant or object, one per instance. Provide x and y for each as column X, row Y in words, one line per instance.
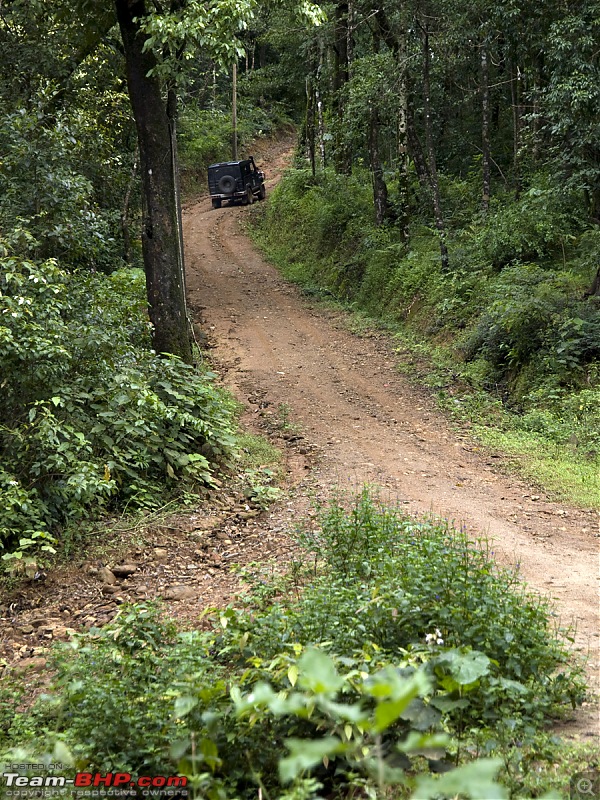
column 546, row 464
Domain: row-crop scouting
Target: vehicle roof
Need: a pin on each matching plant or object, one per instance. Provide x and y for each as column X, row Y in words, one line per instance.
column 231, row 163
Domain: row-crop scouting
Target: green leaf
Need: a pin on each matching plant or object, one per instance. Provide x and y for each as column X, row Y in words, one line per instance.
column 318, row 673
column 62, row 754
column 183, row 706
column 307, row 753
column 467, row 667
column 475, row 780
column 293, row 674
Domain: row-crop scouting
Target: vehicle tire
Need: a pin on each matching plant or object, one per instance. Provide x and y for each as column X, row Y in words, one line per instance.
column 226, row 184
column 248, row 198
column 216, row 202
column 262, row 192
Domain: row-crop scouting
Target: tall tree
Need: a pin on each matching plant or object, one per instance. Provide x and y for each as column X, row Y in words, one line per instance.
column 161, row 240
column 431, row 154
column 341, row 74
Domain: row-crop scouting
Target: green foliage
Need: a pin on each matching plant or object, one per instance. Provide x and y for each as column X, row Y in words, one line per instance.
column 329, row 215
column 391, row 581
column 403, row 640
column 206, row 136
column 305, row 719
column 536, row 226
column 177, row 36
column 91, row 418
column 43, row 189
column 571, row 99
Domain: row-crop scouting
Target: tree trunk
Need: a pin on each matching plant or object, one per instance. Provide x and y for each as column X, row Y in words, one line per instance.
column 342, row 155
column 319, row 104
column 125, row 213
column 433, row 174
column 160, row 228
column 402, row 147
column 380, row 192
column 234, row 132
column 310, row 125
column 416, row 149
column 516, row 110
column 172, row 116
column 485, row 128
column 396, row 43
column 594, row 290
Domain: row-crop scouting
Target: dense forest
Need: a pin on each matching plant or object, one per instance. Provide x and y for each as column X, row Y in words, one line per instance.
column 445, row 183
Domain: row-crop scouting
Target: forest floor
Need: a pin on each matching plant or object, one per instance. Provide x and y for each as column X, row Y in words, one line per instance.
column 335, row 403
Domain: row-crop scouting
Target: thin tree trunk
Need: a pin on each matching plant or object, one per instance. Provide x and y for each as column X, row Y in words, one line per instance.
column 309, row 124
column 234, row 135
column 319, row 104
column 416, row 149
column 350, row 38
column 160, row 229
column 402, row 219
column 125, row 213
column 536, row 116
column 516, row 110
column 342, row 154
column 172, row 116
column 380, row 191
column 397, row 45
column 433, row 174
column 485, row 128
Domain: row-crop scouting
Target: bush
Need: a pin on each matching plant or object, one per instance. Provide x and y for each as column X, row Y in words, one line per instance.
column 136, row 697
column 399, row 631
column 91, row 418
column 536, row 328
column 536, row 226
column 391, row 581
column 43, row 189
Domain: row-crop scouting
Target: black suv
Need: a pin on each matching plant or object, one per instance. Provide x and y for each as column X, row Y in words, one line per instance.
column 236, row 180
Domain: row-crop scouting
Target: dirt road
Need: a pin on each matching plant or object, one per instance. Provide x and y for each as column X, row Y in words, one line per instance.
column 362, row 421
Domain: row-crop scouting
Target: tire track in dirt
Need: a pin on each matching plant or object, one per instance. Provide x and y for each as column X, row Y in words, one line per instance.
column 369, row 424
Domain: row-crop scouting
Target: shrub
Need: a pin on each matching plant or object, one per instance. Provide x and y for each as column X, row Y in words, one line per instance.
column 136, row 697
column 389, row 580
column 400, row 630
column 540, row 223
column 91, row 418
column 43, row 189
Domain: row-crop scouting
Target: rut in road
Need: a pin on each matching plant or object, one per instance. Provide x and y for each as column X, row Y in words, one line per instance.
column 370, row 425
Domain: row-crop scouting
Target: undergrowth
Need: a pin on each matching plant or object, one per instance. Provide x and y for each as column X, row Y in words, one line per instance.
column 91, row 420
column 387, row 661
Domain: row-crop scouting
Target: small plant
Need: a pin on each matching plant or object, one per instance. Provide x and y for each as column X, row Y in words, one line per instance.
column 259, row 489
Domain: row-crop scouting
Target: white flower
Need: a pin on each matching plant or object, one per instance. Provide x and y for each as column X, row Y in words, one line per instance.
column 434, row 638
